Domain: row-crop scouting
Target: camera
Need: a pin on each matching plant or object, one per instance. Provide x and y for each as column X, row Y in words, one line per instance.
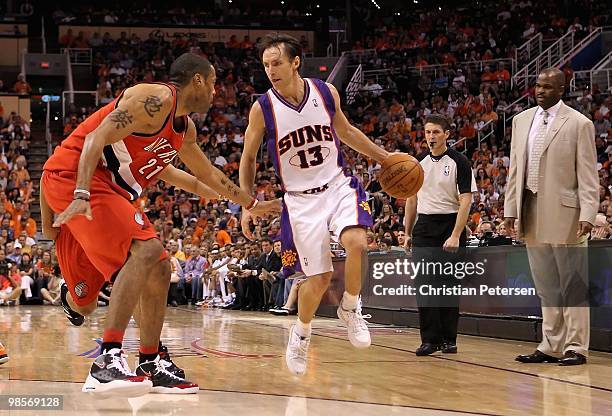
column 489, row 240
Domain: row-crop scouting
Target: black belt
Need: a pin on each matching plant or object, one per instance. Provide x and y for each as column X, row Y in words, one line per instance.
column 316, row 190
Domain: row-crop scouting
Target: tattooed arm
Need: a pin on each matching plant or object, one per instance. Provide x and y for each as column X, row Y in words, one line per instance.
column 198, row 163
column 143, row 108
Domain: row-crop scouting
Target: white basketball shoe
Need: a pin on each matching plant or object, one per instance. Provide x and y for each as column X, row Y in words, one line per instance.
column 358, row 332
column 296, row 355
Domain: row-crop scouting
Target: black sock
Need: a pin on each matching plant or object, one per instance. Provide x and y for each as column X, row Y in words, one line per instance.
column 142, row 358
column 107, row 346
column 160, row 346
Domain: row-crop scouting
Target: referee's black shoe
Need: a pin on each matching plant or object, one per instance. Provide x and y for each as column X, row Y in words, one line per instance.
column 449, row 348
column 75, row 318
column 427, row 349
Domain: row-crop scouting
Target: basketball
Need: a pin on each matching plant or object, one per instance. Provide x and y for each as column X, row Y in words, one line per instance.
column 401, row 175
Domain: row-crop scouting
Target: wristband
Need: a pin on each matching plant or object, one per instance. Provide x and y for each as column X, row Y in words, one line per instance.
column 81, row 194
column 253, row 204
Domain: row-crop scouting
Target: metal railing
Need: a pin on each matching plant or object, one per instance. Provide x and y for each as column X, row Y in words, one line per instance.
column 605, row 62
column 528, row 50
column 557, row 54
column 434, row 70
column 486, row 131
column 42, row 35
column 514, row 108
column 69, row 79
column 24, row 51
column 337, row 76
column 482, row 134
column 360, row 57
column 600, row 77
column 88, row 98
column 354, row 85
column 79, row 56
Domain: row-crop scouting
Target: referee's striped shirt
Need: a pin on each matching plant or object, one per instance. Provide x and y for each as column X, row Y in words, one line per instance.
column 446, row 176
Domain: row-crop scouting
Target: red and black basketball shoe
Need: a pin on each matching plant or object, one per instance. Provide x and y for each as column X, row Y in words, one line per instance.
column 3, row 354
column 75, row 318
column 110, row 374
column 166, row 361
column 163, row 380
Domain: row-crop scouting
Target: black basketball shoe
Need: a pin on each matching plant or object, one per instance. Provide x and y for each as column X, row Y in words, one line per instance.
column 110, row 374
column 163, row 380
column 75, row 318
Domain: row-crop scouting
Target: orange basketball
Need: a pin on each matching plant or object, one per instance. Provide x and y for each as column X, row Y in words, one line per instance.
column 401, row 175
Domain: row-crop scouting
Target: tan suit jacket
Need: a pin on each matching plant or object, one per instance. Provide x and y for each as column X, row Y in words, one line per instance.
column 568, row 185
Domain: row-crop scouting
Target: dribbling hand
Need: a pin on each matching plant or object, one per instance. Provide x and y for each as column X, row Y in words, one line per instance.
column 76, row 207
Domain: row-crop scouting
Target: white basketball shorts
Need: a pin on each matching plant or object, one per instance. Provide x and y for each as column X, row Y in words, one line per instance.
column 310, row 220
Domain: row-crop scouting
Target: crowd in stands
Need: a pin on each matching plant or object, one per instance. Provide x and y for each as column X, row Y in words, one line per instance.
column 475, row 31
column 194, row 14
column 212, row 261
column 22, row 260
column 20, row 86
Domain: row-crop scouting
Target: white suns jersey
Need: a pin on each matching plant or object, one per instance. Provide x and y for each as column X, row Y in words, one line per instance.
column 301, row 140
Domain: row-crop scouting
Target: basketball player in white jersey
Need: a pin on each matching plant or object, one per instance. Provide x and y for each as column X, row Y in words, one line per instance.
column 303, row 125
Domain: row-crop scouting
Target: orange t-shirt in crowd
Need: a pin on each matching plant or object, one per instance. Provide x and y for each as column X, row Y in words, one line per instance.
column 502, row 75
column 223, row 238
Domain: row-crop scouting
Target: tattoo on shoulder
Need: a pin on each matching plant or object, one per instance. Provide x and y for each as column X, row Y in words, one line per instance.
column 121, row 118
column 152, row 105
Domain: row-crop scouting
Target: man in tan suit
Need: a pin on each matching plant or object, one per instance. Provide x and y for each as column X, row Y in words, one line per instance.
column 553, row 192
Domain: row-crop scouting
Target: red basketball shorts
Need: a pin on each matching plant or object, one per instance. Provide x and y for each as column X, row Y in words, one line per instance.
column 91, row 252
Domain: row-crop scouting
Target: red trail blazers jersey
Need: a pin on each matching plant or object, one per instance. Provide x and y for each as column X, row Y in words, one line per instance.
column 130, row 164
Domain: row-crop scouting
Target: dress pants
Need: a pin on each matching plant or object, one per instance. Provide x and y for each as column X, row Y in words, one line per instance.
column 560, row 275
column 438, row 315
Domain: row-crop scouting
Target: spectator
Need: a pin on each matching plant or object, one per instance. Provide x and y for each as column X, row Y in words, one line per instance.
column 21, row 86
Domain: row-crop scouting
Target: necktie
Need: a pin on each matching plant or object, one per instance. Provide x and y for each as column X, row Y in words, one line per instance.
column 536, row 153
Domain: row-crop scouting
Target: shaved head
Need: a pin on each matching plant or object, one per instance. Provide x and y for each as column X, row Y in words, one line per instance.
column 549, row 87
column 555, row 75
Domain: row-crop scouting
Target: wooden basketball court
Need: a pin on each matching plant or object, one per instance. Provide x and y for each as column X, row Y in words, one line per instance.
column 237, row 359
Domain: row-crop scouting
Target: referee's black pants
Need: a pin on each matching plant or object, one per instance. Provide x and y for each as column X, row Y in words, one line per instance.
column 438, row 315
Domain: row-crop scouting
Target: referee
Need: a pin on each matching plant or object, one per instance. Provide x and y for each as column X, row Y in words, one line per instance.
column 443, row 206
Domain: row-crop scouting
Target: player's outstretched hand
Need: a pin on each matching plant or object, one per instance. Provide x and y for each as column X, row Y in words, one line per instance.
column 266, row 207
column 76, row 207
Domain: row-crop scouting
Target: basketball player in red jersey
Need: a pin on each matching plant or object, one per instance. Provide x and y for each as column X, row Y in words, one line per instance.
column 91, row 179
column 76, row 313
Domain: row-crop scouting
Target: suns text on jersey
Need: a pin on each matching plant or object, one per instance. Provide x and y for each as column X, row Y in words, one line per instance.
column 305, row 135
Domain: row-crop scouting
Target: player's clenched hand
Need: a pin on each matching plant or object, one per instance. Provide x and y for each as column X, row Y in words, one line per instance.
column 76, row 207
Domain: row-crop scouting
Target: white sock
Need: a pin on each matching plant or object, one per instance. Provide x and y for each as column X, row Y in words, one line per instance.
column 349, row 302
column 303, row 329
